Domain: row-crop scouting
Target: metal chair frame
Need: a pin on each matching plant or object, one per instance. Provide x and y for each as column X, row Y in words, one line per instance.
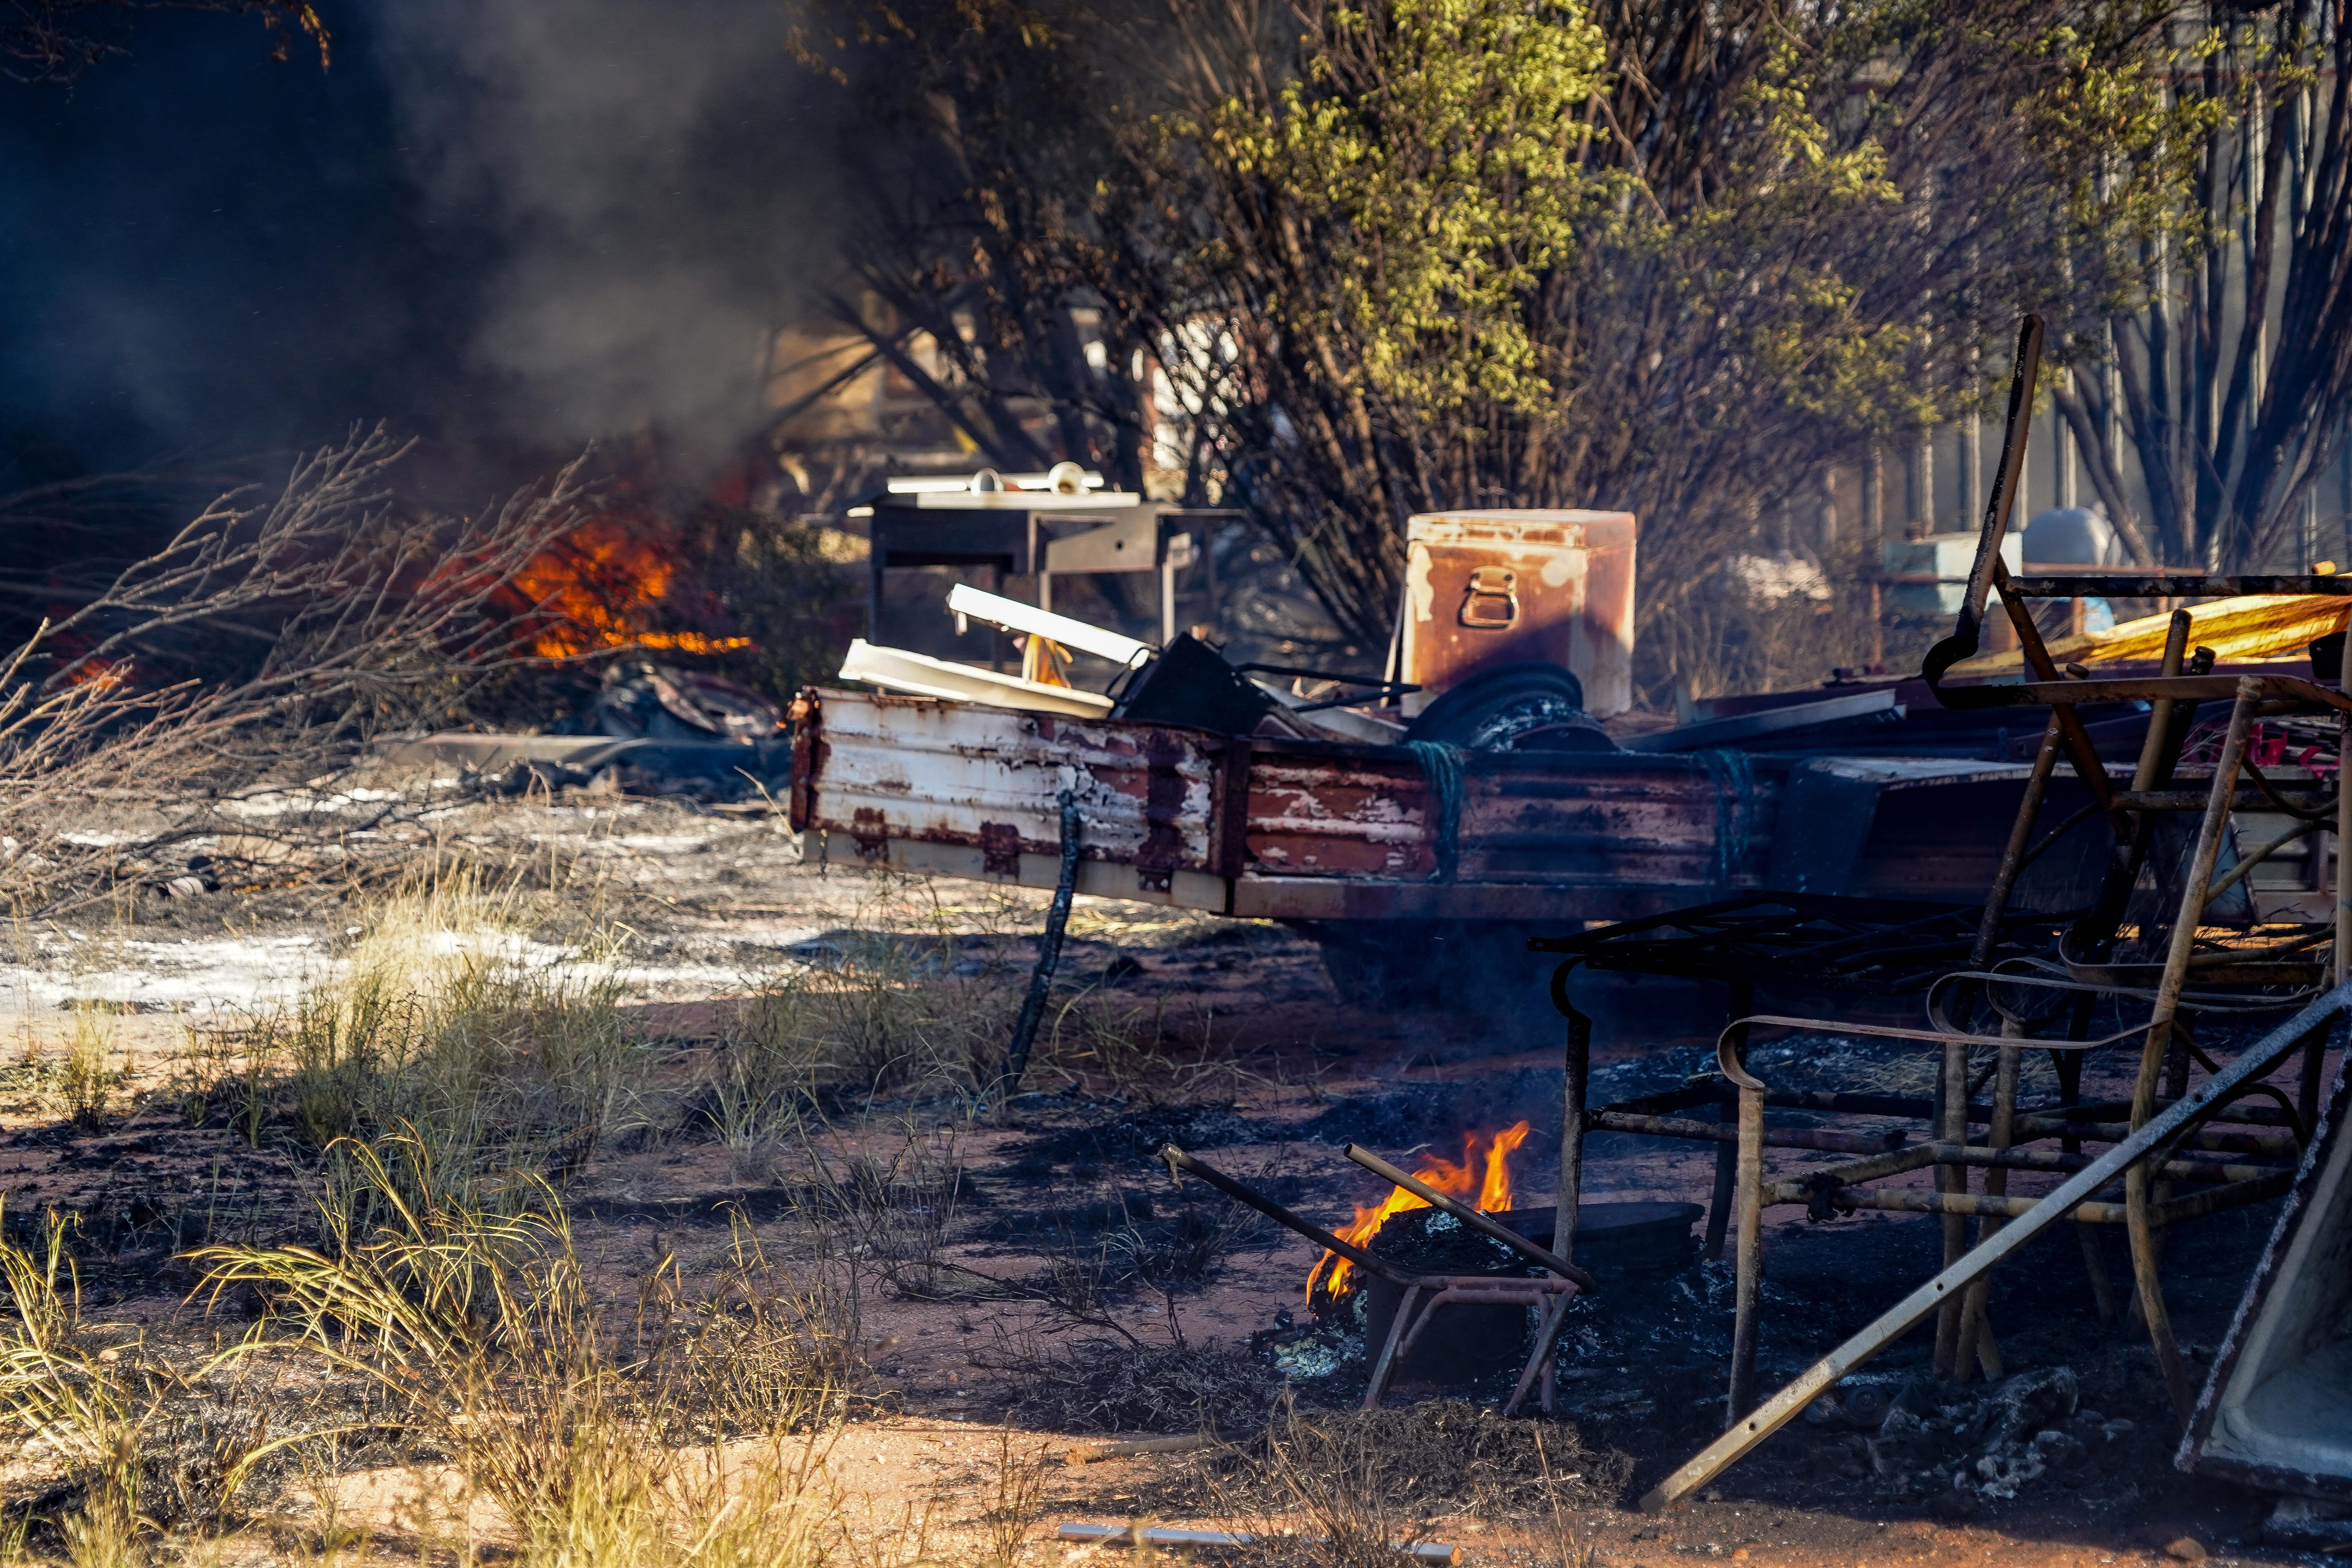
column 2261, row 968
column 1425, row 1294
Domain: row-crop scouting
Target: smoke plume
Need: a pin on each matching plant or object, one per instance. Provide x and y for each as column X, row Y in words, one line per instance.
column 511, row 227
column 649, row 189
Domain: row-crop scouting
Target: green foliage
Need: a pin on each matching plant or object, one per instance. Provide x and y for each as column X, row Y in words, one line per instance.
column 1430, row 155
column 2226, row 147
column 1399, row 256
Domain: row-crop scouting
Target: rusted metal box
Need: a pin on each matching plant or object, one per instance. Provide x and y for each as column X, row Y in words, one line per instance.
column 1485, row 588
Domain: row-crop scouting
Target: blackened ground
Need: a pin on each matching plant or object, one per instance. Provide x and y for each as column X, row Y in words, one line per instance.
column 1076, row 1290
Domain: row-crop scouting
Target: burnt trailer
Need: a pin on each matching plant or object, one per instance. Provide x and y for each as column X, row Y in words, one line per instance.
column 1474, row 786
column 1342, row 836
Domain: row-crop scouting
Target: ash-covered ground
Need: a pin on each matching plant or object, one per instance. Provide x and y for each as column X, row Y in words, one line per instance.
column 1050, row 1277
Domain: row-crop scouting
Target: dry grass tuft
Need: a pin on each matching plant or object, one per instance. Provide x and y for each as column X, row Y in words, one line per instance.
column 87, row 1078
column 504, row 1062
column 1351, row 1474
column 125, row 1441
column 1110, row 1385
column 754, row 1353
column 881, row 1014
column 1016, row 1500
column 479, row 1327
column 1127, row 1049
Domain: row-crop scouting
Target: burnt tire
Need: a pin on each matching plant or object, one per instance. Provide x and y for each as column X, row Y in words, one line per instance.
column 1494, row 708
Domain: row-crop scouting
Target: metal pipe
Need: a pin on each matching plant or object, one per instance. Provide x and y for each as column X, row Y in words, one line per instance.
column 1801, row 1189
column 2053, row 1160
column 1470, row 1217
column 2021, row 838
column 2239, row 800
column 2254, row 1064
column 2170, row 720
column 1576, row 1058
column 2095, row 1266
column 1851, row 1104
column 1176, row 1160
column 1968, row 1206
column 1956, row 1334
column 2213, row 1200
column 1703, row 1092
column 1976, row 1340
column 2247, row 862
column 1748, row 1202
column 1379, row 1381
column 2069, row 1066
column 2136, row 1199
column 1049, row 951
column 1727, row 1158
column 2081, row 754
column 2030, row 1128
column 1952, row 1127
column 2151, row 763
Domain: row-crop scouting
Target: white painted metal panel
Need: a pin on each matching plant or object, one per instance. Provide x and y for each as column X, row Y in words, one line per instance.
column 900, row 768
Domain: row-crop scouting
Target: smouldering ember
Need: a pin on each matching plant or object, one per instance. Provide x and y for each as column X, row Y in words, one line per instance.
column 1484, row 1173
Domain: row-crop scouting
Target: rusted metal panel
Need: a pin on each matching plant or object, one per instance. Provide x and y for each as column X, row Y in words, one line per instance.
column 1488, row 588
column 1341, row 832
column 1691, row 822
column 1331, row 814
column 1331, row 831
column 1647, row 821
column 888, row 768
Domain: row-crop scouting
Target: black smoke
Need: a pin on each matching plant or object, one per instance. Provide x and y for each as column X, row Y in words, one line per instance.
column 507, row 229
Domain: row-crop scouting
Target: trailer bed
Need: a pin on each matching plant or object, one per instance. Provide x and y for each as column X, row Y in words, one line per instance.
column 1306, row 830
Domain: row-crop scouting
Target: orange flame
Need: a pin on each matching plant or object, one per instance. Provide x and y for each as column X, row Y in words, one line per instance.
column 594, row 584
column 1489, row 1176
column 104, row 674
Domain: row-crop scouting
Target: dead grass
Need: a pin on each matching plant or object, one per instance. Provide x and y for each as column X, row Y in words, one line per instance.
column 1148, row 1053
column 1100, row 1384
column 754, row 1352
column 264, row 640
column 881, row 1016
column 1352, row 1474
column 1016, row 1498
column 506, row 1059
column 124, row 1438
column 87, row 1078
column 898, row 1006
column 438, row 1092
column 478, row 1328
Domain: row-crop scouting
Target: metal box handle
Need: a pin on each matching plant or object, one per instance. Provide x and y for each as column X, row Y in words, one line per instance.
column 1491, row 600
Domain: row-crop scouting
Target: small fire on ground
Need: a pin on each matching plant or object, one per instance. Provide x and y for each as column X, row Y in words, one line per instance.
column 1482, row 1180
column 593, row 589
